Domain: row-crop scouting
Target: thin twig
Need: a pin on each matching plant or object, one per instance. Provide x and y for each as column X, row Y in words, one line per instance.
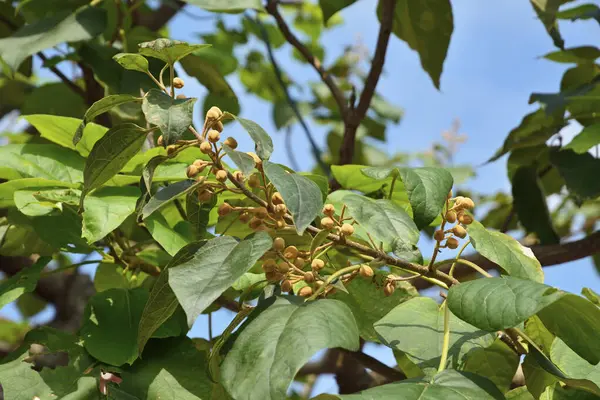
column 76, row 89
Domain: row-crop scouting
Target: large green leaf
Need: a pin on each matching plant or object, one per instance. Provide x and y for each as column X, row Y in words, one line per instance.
column 110, row 154
column 272, row 346
column 172, row 116
column 579, row 172
column 167, row 50
column 42, row 100
column 60, row 131
column 385, row 221
column 426, row 26
column 573, row 365
column 169, row 229
column 301, row 195
column 530, row 204
column 516, row 259
column 585, row 140
column 369, row 303
column 558, row 392
column 427, row 190
column 22, row 282
column 167, row 195
column 416, row 327
column 84, row 24
column 214, row 267
column 8, row 189
column 447, row 385
column 227, row 5
column 244, row 161
column 106, row 209
column 199, row 213
column 262, row 140
column 171, row 369
column 498, row 363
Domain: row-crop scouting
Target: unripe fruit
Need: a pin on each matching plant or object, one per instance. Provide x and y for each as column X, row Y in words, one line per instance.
column 261, row 212
column 224, row 209
column 244, row 217
column 218, row 126
column 327, row 223
column 306, row 291
column 214, row 113
column 181, row 96
column 286, row 286
column 465, row 219
column 439, row 235
column 300, row 262
column 205, row 196
column 309, row 277
column 457, row 201
column 347, row 229
column 206, row 147
column 178, row 83
column 317, row 264
column 254, row 181
column 280, row 210
column 171, row 149
column 366, row 271
column 452, row 243
column 290, row 252
column 283, row 267
column 389, row 289
column 329, row 210
column 276, row 198
column 273, row 276
column 459, row 231
column 451, row 216
column 231, row 142
column 191, row 171
column 269, row 265
column 221, row 175
column 255, row 223
column 279, row 243
column 238, row 176
column 214, row 136
column 160, row 141
column 465, row 203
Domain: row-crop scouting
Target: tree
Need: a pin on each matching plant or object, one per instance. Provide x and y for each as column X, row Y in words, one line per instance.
column 111, row 170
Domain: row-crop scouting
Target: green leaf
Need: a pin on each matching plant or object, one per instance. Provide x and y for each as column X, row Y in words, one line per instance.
column 215, row 266
column 167, row 195
column 42, row 100
column 84, row 24
column 60, row 131
column 591, row 295
column 22, row 282
column 546, row 11
column 8, row 189
column 262, row 140
column 172, row 116
column 198, row 213
column 575, row 55
column 385, row 221
column 584, row 11
column 493, row 304
column 331, row 7
column 132, row 61
column 100, row 107
column 520, row 393
column 109, row 276
column 243, row 161
column 573, row 365
column 167, row 50
column 29, row 305
column 585, row 140
column 386, row 110
column 106, row 209
column 579, row 172
column 497, row 362
column 301, row 195
column 427, row 190
column 110, row 154
column 170, row 369
column 416, row 327
column 228, row 5
column 516, row 259
column 169, row 229
column 558, row 392
column 150, row 169
column 426, row 26
column 529, row 202
column 447, row 385
column 273, row 345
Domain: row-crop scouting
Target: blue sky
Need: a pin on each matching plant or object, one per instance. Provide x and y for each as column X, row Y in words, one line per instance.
column 492, row 67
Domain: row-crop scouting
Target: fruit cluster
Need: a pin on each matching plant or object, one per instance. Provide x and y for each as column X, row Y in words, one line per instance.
column 455, row 213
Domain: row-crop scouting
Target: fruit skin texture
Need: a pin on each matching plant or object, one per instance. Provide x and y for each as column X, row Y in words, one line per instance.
column 221, row 175
column 451, row 216
column 205, row 147
column 439, row 235
column 465, row 219
column 317, row 264
column 452, row 243
column 178, row 83
column 347, row 229
column 366, row 271
column 231, row 142
column 214, row 113
column 327, row 223
column 305, row 291
column 329, row 210
column 459, row 231
column 214, row 136
column 279, row 243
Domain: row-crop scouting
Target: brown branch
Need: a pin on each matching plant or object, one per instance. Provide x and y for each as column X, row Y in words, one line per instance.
column 310, row 58
column 547, row 255
column 75, row 88
column 358, row 114
column 160, row 17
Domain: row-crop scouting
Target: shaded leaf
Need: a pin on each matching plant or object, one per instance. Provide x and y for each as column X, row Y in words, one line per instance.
column 106, row 209
column 585, row 140
column 573, row 365
column 497, row 362
column 172, row 116
column 22, row 282
column 579, row 172
column 427, row 190
column 167, row 195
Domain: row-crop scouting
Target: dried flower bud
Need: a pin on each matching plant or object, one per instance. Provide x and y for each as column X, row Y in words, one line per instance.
column 191, row 171
column 465, row 219
column 221, row 175
column 452, row 243
column 200, row 164
column 366, row 271
column 389, row 288
column 255, row 223
column 206, row 147
column 457, row 201
column 286, row 286
column 439, row 235
column 261, row 212
column 327, row 223
column 280, row 209
column 238, row 176
column 459, row 231
column 317, row 264
column 273, row 276
column 451, row 216
column 256, row 158
column 329, row 210
column 214, row 136
column 205, row 195
column 347, row 229
column 279, row 243
column 290, row 252
column 160, row 141
column 178, row 83
column 231, row 142
column 467, row 203
column 269, row 265
column 214, row 113
column 218, row 126
column 299, row 262
column 171, row 149
column 306, row 291
column 283, row 267
column 276, row 198
column 309, row 277
column 224, row 209
column 181, row 96
column 254, row 181
column 244, row 217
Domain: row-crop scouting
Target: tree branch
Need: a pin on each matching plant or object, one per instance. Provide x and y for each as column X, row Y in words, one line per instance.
column 161, row 16
column 547, row 255
column 310, row 58
column 358, row 114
